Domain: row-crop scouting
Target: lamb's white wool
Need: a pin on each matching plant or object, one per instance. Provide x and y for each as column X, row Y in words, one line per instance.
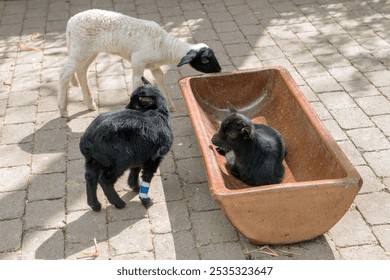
column 145, row 43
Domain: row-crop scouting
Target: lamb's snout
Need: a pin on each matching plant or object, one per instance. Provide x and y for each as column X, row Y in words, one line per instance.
column 216, row 140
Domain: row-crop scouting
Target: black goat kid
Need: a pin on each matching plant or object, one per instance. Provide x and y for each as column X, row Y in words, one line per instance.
column 254, row 152
column 137, row 137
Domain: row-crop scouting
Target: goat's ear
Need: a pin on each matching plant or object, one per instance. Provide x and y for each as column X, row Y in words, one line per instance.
column 231, row 108
column 247, row 132
column 187, row 58
column 147, row 101
column 145, row 81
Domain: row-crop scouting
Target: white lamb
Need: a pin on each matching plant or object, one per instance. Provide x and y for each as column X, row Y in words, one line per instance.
column 145, row 43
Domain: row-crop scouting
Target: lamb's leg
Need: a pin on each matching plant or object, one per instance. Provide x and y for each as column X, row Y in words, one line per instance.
column 91, row 176
column 148, row 170
column 66, row 73
column 107, row 180
column 133, row 181
column 160, row 80
column 83, row 81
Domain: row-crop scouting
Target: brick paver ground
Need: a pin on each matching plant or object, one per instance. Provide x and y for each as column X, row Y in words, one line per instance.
column 338, row 51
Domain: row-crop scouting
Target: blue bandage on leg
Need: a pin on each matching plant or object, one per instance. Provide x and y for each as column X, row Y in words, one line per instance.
column 144, row 189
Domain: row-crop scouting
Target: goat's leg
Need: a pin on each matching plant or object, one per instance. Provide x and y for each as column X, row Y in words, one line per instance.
column 91, row 178
column 148, row 170
column 83, row 81
column 65, row 75
column 160, row 80
column 107, row 180
column 133, row 181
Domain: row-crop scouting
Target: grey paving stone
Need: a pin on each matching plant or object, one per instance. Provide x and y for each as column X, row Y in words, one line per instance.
column 84, row 226
column 222, row 251
column 212, row 227
column 164, row 247
column 45, row 214
column 337, row 133
column 16, row 115
column 324, row 84
column 192, row 170
column 12, row 205
column 379, row 162
column 371, row 182
column 185, row 247
column 336, row 100
column 365, row 252
column 383, row 235
column 17, row 133
column 14, row 178
column 87, row 251
column 11, row 232
column 370, row 205
column 130, row 236
column 360, row 88
column 374, row 105
column 186, row 147
column 352, row 221
column 15, row 155
column 48, row 163
column 50, row 141
column 350, row 118
column 23, row 98
column 142, row 255
column 383, row 122
column 352, row 153
column 199, row 198
column 47, row 186
column 47, row 244
column 368, row 139
column 168, row 189
column 379, row 78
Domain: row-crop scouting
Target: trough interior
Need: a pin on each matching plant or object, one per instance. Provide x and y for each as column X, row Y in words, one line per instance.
column 267, row 97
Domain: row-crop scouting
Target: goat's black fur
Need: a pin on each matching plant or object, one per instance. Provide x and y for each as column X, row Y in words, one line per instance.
column 136, row 137
column 203, row 60
column 254, row 152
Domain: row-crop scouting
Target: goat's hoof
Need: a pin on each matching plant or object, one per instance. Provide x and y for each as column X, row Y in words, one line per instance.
column 120, row 204
column 172, row 109
column 135, row 188
column 97, row 207
column 221, row 151
column 147, row 202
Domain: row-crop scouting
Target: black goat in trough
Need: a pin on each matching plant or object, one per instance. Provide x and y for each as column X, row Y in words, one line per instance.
column 254, row 152
column 137, row 137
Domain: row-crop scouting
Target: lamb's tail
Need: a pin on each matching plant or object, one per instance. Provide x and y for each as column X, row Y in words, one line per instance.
column 73, row 80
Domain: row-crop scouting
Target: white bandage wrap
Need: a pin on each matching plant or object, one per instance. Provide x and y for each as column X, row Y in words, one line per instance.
column 144, row 189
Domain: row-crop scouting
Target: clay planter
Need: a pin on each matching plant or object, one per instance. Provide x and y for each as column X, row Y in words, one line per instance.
column 320, row 183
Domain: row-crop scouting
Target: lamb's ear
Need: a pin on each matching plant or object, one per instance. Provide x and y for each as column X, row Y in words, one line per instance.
column 145, row 81
column 187, row 58
column 231, row 108
column 247, row 132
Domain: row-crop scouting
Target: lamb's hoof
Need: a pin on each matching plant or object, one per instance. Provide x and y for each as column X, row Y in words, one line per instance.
column 147, row 202
column 120, row 204
column 92, row 106
column 97, row 207
column 63, row 113
column 172, row 109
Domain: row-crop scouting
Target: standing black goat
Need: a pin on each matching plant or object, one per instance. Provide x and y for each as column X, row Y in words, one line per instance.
column 137, row 137
column 254, row 152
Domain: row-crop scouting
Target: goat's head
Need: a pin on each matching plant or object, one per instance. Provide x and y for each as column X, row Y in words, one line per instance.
column 202, row 58
column 235, row 129
column 147, row 97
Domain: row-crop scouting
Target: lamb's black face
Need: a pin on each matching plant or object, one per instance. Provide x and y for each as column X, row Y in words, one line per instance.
column 203, row 60
column 234, row 129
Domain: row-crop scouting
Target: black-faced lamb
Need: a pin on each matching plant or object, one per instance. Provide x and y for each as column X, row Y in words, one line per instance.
column 254, row 152
column 145, row 43
column 135, row 138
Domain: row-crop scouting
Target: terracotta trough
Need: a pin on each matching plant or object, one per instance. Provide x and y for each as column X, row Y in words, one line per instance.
column 320, row 182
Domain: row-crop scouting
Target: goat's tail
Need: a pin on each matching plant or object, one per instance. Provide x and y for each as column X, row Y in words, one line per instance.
column 73, row 79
